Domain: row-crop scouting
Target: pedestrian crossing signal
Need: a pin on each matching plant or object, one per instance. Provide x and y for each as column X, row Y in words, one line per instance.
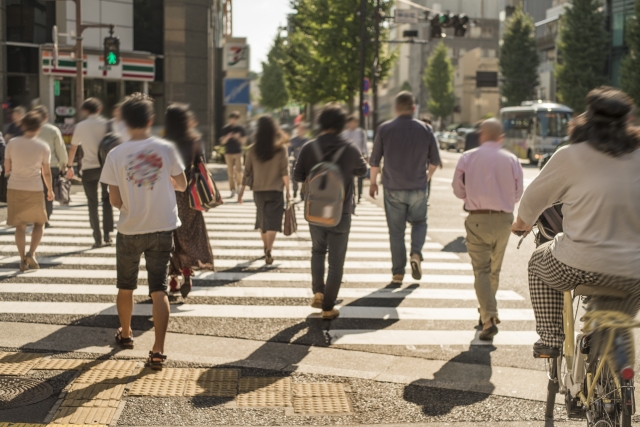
column 111, row 51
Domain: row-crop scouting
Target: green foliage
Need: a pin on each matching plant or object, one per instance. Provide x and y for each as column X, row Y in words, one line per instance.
column 583, row 46
column 406, row 86
column 519, row 59
column 438, row 78
column 273, row 90
column 630, row 78
column 323, row 50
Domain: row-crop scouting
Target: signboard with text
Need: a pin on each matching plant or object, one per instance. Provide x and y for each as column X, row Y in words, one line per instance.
column 406, row 16
column 236, row 56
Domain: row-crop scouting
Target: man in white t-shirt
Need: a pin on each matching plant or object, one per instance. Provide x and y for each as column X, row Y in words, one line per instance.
column 89, row 133
column 143, row 175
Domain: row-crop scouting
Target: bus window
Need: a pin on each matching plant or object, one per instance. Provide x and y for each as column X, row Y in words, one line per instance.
column 553, row 124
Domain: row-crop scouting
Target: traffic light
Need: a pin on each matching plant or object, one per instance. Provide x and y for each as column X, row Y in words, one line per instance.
column 445, row 19
column 436, row 27
column 111, row 51
column 459, row 24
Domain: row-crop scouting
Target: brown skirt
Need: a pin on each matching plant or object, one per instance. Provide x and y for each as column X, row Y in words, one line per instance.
column 25, row 207
column 191, row 240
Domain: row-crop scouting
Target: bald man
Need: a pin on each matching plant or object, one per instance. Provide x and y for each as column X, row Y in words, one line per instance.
column 489, row 180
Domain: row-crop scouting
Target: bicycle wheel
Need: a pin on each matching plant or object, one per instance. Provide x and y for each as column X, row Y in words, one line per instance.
column 608, row 398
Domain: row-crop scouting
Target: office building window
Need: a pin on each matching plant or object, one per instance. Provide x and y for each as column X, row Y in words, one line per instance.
column 617, row 30
column 148, row 28
column 30, row 21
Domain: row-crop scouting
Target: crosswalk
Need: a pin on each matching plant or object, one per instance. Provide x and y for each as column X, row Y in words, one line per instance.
column 76, row 281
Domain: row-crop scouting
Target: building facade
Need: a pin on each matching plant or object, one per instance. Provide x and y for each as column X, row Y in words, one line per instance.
column 166, row 47
column 476, row 87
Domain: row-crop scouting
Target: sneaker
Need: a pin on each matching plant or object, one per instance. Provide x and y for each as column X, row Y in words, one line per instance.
column 487, row 334
column 173, row 285
column 397, row 278
column 331, row 314
column 31, row 261
column 107, row 240
column 542, row 351
column 416, row 267
column 316, row 301
column 96, row 245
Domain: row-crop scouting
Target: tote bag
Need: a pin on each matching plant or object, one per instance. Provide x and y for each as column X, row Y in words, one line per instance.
column 203, row 192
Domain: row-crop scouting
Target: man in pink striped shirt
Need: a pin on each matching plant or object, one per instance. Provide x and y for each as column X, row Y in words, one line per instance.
column 489, row 180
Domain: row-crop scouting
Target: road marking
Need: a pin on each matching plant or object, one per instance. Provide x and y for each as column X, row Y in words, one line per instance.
column 238, row 263
column 262, row 311
column 259, row 292
column 444, row 337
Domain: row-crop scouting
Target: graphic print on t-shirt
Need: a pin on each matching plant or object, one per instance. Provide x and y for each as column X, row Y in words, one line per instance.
column 143, row 168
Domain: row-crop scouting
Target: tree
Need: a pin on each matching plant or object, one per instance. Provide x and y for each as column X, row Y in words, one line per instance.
column 406, row 86
column 438, row 78
column 629, row 78
column 323, row 49
column 273, row 90
column 519, row 59
column 583, row 46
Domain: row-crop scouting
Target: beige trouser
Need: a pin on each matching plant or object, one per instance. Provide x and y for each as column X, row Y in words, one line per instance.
column 487, row 238
column 234, row 170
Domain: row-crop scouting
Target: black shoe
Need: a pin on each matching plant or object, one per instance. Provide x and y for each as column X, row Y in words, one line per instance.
column 47, row 225
column 490, row 332
column 96, row 245
column 542, row 351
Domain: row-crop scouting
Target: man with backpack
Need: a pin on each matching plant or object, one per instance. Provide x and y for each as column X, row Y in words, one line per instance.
column 411, row 157
column 328, row 166
column 89, row 133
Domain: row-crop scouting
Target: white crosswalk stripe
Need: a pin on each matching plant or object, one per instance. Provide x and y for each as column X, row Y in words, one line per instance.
column 427, row 312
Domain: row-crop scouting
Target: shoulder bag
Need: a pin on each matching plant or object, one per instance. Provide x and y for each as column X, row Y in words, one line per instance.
column 203, row 191
column 290, row 221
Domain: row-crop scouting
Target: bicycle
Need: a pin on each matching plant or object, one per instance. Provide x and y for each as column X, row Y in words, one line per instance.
column 593, row 370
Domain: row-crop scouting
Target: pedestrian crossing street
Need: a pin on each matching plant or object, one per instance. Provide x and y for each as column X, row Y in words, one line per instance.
column 440, row 309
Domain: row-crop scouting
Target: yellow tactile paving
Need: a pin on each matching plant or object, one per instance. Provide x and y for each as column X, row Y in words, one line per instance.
column 263, row 399
column 20, row 425
column 321, row 405
column 210, row 389
column 79, row 391
column 114, row 365
column 67, row 415
column 17, row 363
column 213, row 375
column 62, row 364
column 272, row 384
column 74, row 425
column 93, row 376
column 167, row 374
column 317, row 389
column 144, row 387
column 95, row 403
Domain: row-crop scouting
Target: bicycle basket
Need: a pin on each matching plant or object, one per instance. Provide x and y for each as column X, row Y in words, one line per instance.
column 549, row 224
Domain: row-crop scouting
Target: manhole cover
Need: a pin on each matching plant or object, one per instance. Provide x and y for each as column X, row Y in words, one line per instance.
column 16, row 392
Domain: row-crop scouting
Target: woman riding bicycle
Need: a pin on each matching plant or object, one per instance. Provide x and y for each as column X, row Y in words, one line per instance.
column 597, row 179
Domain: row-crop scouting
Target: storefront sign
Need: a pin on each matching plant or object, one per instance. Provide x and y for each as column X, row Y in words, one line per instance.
column 65, row 111
column 139, row 69
column 236, row 56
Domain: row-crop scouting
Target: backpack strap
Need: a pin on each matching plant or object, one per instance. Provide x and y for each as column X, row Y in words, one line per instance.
column 338, row 154
column 316, row 149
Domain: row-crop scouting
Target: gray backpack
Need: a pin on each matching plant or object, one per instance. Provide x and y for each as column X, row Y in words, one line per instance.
column 324, row 190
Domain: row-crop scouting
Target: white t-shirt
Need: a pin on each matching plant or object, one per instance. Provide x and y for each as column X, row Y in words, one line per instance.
column 142, row 170
column 89, row 133
column 27, row 156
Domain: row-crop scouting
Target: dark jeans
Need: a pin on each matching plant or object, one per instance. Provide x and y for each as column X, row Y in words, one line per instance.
column 55, row 172
column 156, row 247
column 401, row 207
column 334, row 240
column 360, row 181
column 90, row 182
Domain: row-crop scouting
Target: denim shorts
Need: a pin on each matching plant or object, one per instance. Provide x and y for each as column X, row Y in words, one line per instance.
column 157, row 249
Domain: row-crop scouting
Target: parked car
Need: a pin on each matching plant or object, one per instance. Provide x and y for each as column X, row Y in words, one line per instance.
column 448, row 141
column 461, row 138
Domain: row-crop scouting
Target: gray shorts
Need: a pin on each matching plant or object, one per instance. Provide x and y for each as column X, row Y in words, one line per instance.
column 156, row 247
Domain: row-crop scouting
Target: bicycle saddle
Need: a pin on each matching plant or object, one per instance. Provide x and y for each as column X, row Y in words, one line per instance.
column 599, row 291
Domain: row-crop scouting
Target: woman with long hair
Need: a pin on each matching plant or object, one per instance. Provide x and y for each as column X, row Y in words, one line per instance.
column 596, row 179
column 267, row 166
column 191, row 240
column 27, row 161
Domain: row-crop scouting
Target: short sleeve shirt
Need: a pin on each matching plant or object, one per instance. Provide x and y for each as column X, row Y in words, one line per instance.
column 233, row 144
column 89, row 133
column 142, row 171
column 27, row 156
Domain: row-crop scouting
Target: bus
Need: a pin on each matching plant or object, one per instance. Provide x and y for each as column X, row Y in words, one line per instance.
column 534, row 128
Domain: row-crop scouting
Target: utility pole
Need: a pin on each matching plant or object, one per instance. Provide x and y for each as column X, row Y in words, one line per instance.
column 363, row 58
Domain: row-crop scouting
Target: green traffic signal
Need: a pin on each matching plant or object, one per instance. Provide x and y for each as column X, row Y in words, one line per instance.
column 112, row 58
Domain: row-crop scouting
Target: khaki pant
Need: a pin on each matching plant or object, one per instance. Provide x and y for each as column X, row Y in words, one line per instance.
column 234, row 170
column 487, row 238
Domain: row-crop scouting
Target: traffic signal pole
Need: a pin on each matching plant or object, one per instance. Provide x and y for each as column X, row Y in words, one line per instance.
column 376, row 69
column 363, row 57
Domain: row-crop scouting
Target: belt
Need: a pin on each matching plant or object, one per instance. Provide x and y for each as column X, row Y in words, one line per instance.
column 486, row 211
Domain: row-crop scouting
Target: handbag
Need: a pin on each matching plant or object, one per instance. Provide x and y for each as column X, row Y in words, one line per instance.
column 62, row 190
column 203, row 191
column 290, row 221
